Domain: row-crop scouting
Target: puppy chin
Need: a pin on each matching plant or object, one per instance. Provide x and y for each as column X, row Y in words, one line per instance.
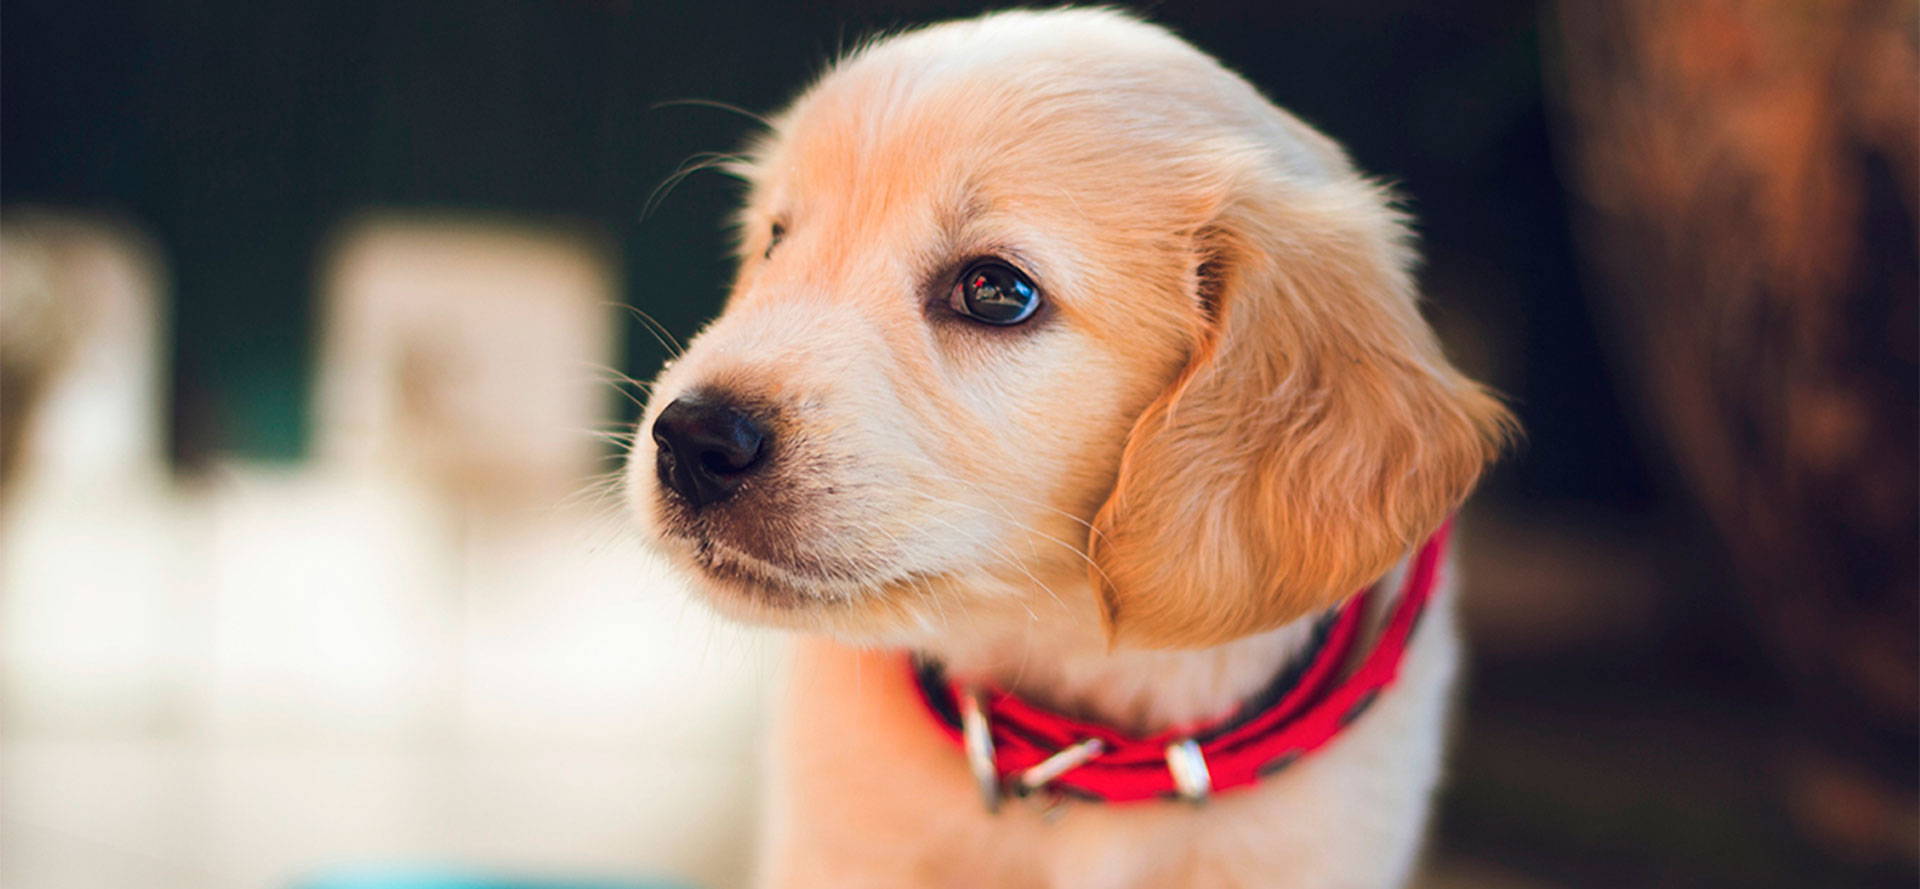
column 737, row 581
column 744, row 587
column 746, row 590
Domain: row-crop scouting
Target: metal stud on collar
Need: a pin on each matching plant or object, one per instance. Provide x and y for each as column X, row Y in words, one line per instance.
column 977, row 738
column 1065, row 760
column 1189, row 768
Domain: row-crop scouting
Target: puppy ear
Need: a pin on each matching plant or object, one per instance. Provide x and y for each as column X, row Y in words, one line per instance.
column 1316, row 435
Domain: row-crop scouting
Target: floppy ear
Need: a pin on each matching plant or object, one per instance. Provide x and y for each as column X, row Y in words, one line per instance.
column 1315, row 437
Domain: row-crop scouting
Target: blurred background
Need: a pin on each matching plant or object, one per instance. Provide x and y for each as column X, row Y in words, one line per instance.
column 317, row 331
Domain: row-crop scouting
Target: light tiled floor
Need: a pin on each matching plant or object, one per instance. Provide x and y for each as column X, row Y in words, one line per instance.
column 288, row 671
column 119, row 814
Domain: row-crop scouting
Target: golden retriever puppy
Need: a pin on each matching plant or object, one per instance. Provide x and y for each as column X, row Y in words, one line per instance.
column 1068, row 394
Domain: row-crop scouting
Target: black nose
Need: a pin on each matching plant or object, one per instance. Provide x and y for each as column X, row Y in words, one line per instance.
column 707, row 447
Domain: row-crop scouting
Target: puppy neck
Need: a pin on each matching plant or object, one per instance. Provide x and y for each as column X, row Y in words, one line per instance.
column 1066, row 666
column 1057, row 657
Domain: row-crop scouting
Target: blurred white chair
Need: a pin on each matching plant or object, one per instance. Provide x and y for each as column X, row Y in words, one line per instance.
column 469, row 354
column 89, row 563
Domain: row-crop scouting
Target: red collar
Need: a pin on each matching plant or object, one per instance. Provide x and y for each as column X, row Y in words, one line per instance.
column 1014, row 745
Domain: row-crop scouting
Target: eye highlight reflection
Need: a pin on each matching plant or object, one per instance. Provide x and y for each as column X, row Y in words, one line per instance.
column 993, row 292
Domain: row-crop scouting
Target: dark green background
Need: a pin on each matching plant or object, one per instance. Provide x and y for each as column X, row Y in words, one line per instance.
column 240, row 133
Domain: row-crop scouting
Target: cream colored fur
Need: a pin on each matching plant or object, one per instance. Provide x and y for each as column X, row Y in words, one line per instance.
column 1228, row 416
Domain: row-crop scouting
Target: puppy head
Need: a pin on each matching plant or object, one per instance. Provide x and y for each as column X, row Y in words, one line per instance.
column 1044, row 298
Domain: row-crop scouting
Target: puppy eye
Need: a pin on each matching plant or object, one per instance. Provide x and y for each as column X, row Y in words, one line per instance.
column 995, row 293
column 773, row 238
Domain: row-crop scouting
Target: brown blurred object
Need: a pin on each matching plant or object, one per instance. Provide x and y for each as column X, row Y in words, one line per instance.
column 80, row 347
column 36, row 336
column 1751, row 175
column 1554, row 585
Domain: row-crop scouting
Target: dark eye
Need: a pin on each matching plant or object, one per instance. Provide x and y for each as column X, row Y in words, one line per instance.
column 773, row 238
column 995, row 293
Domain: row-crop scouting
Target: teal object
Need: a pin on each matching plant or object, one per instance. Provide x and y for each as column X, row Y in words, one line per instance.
column 455, row 878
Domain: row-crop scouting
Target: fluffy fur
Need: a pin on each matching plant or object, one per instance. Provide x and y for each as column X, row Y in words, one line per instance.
column 1227, row 416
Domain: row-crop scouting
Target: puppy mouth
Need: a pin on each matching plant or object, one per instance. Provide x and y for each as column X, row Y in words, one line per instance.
column 787, row 590
column 765, row 580
column 781, row 581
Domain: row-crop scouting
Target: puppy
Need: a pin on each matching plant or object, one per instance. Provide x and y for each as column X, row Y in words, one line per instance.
column 1068, row 394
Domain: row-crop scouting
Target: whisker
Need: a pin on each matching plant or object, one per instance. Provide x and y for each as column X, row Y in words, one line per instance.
column 1014, row 561
column 715, row 104
column 620, row 382
column 594, row 490
column 615, row 377
column 1027, row 528
column 613, row 436
column 705, row 160
column 659, row 331
column 1032, row 502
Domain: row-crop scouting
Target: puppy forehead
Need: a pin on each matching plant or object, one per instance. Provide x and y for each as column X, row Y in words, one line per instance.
column 1016, row 100
column 1087, row 95
column 936, row 162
